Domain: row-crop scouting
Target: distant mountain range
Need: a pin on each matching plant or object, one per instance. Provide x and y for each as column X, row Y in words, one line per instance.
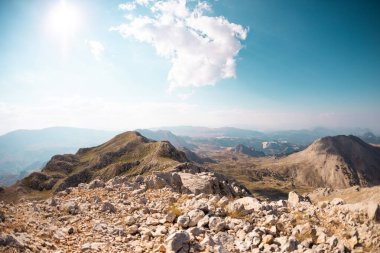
column 301, row 137
column 338, row 162
column 23, row 151
column 205, row 132
column 165, row 135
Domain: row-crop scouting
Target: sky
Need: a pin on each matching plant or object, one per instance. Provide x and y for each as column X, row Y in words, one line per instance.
column 264, row 65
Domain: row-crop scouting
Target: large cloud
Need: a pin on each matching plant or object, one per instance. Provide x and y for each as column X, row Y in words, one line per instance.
column 202, row 49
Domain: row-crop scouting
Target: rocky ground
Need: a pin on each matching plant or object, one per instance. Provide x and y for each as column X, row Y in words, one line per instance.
column 159, row 213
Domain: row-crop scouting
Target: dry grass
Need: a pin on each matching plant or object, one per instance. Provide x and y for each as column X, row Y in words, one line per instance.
column 246, row 170
column 351, row 195
column 239, row 215
column 175, row 210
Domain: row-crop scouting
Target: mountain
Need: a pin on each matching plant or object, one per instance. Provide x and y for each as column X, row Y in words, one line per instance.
column 194, row 157
column 135, row 194
column 165, row 135
column 370, row 138
column 129, row 155
column 242, row 149
column 154, row 215
column 338, row 162
column 298, row 137
column 206, row 132
column 23, row 151
column 307, row 136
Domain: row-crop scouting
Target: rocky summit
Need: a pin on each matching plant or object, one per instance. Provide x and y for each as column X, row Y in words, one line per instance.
column 336, row 162
column 167, row 212
column 132, row 194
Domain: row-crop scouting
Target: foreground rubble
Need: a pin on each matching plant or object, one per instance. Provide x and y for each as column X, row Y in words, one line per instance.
column 150, row 215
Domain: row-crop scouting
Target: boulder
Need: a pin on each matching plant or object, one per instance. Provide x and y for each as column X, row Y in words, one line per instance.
column 223, row 201
column 195, row 231
column 92, row 247
column 294, row 199
column 337, row 202
column 130, row 220
column 108, row 207
column 71, row 207
column 131, row 230
column 178, row 241
column 216, row 224
column 97, row 183
column 245, row 205
column 165, row 179
column 170, row 216
column 183, row 221
column 139, row 179
column 373, row 211
column 195, row 216
column 267, row 239
column 188, row 178
column 204, row 221
column 52, row 202
column 12, row 241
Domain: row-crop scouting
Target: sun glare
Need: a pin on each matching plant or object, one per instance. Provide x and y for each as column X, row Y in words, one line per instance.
column 64, row 20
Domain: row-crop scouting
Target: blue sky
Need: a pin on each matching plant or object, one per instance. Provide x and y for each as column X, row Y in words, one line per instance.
column 254, row 64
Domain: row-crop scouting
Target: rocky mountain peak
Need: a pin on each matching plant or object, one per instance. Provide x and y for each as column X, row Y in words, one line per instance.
column 340, row 144
column 336, row 161
column 150, row 215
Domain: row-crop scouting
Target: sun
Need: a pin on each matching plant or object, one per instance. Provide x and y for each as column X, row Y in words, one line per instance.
column 64, row 20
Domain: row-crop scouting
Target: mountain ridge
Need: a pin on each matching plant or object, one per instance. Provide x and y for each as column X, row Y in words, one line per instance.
column 129, row 155
column 336, row 161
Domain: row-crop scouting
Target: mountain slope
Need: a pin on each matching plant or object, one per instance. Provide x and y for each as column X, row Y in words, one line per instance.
column 250, row 151
column 194, row 157
column 339, row 162
column 370, row 138
column 128, row 154
column 164, row 135
column 27, row 150
column 206, row 132
column 123, row 158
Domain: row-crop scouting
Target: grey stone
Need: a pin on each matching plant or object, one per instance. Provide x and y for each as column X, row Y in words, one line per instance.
column 195, row 216
column 97, row 183
column 177, row 241
column 71, row 207
column 108, row 207
column 183, row 221
column 216, row 224
column 373, row 211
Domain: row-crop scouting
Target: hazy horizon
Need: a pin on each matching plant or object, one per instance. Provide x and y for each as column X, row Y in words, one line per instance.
column 260, row 65
column 338, row 130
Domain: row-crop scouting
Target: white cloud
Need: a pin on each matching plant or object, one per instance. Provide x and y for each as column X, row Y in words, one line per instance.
column 96, row 48
column 127, row 6
column 202, row 49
